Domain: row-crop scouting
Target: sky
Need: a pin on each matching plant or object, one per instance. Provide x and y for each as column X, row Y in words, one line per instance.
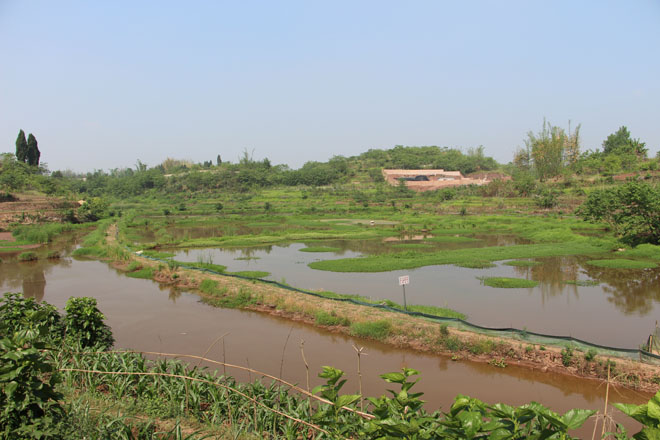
column 104, row 84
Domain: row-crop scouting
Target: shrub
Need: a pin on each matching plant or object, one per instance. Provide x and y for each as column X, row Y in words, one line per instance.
column 84, row 324
column 567, row 355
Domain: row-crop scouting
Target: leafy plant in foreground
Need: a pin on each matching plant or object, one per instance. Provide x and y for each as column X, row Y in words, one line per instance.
column 84, row 323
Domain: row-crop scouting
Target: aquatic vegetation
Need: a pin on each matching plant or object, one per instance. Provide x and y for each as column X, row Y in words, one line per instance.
column 251, row 273
column 508, row 283
column 319, row 249
column 620, row 263
column 461, row 257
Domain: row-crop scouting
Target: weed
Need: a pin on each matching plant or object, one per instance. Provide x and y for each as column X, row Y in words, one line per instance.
column 590, row 355
column 330, row 319
column 567, row 356
column 444, row 330
column 499, row 363
column 378, row 330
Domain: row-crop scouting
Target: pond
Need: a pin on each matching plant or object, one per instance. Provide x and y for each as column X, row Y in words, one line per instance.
column 619, row 311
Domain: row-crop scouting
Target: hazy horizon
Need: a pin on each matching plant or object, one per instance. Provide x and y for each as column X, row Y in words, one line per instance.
column 102, row 85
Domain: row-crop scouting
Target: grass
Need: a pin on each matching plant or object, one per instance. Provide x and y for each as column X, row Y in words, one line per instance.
column 251, row 273
column 10, row 249
column 644, row 251
column 42, row 233
column 451, row 239
column 523, row 263
column 320, row 249
column 378, row 330
column 200, row 265
column 146, row 273
column 461, row 257
column 27, row 256
column 508, row 283
column 621, row 263
column 330, row 319
column 90, row 251
column 158, row 254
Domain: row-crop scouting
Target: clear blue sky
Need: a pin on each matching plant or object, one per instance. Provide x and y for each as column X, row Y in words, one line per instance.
column 104, row 83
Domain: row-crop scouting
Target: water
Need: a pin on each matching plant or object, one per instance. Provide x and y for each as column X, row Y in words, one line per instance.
column 149, row 317
column 620, row 312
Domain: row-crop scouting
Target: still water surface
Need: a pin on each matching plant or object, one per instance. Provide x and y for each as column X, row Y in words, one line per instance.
column 621, row 311
column 149, row 317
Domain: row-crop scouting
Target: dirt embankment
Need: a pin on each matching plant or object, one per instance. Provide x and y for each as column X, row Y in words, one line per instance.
column 30, row 208
column 406, row 331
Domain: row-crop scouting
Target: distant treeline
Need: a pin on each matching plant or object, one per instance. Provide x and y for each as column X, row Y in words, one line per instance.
column 173, row 175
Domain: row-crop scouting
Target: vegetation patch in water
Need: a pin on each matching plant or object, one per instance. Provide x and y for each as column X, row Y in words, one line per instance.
column 158, row 254
column 201, row 265
column 621, row 263
column 146, row 273
column 460, row 257
column 476, row 264
column 320, row 249
column 251, row 273
column 523, row 263
column 27, row 256
column 508, row 283
column 582, row 283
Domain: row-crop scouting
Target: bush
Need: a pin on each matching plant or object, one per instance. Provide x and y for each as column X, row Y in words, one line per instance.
column 84, row 324
column 330, row 319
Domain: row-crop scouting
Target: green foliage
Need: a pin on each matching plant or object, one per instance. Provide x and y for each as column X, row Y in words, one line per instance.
column 620, row 143
column 32, row 153
column 146, row 273
column 633, row 209
column 620, row 263
column 567, row 356
column 27, row 256
column 29, row 403
column 551, row 149
column 378, row 330
column 21, row 147
column 508, row 283
column 324, row 318
column 252, row 273
column 319, row 249
column 84, row 324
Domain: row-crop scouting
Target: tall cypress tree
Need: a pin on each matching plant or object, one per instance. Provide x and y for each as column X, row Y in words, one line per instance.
column 33, row 152
column 21, row 147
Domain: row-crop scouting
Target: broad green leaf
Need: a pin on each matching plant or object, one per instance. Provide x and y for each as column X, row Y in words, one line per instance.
column 648, row 433
column 576, row 417
column 347, row 399
column 393, row 377
column 500, row 434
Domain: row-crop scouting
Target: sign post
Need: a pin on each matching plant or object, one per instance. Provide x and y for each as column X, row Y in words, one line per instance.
column 403, row 280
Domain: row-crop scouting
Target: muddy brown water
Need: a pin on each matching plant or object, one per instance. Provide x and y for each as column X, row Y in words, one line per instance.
column 146, row 316
column 619, row 312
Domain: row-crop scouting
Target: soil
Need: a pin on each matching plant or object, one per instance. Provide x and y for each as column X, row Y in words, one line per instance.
column 31, row 208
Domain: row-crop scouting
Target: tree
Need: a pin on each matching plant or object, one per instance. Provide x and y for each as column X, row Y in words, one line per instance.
column 547, row 150
column 32, row 153
column 550, row 150
column 632, row 209
column 621, row 143
column 21, row 147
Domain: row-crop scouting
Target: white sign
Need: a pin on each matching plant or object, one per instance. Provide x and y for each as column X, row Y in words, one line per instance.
column 404, row 280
